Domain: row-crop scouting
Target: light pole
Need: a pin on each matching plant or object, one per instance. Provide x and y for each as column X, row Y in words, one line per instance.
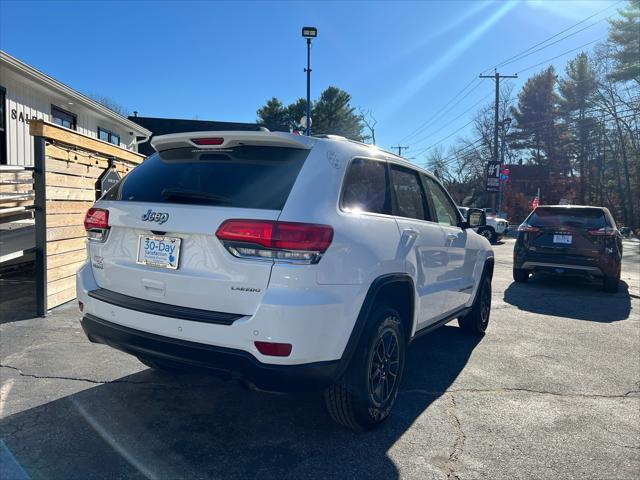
column 504, row 125
column 309, row 33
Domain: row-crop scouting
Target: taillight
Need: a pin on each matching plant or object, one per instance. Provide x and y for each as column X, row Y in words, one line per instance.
column 525, row 227
column 284, row 241
column 208, row 141
column 603, row 232
column 96, row 223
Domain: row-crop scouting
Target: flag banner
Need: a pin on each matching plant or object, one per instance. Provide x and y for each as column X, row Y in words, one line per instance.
column 535, row 202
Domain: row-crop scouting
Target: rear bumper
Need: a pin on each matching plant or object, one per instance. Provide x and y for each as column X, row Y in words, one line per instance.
column 237, row 363
column 567, row 265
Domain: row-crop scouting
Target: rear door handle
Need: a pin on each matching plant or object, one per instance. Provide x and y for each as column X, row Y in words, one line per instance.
column 451, row 236
column 410, row 232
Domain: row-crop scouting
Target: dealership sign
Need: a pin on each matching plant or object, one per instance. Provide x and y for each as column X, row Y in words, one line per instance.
column 493, row 176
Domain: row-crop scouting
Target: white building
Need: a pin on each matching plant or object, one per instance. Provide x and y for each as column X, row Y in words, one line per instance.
column 27, row 93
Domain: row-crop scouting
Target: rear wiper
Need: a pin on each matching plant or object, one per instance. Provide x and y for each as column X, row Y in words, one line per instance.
column 194, row 194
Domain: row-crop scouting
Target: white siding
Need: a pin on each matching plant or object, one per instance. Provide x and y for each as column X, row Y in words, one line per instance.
column 27, row 99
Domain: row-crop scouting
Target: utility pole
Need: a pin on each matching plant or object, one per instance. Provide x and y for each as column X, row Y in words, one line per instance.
column 496, row 150
column 400, row 148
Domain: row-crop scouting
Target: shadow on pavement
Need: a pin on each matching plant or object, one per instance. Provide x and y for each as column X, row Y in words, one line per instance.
column 160, row 426
column 17, row 293
column 579, row 299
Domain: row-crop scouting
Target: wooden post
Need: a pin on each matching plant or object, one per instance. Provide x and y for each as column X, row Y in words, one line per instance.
column 40, row 186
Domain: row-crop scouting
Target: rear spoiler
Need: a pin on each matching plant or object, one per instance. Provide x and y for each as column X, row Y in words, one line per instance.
column 221, row 140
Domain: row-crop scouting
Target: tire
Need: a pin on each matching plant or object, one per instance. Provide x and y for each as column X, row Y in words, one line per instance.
column 611, row 284
column 488, row 233
column 477, row 320
column 520, row 275
column 359, row 399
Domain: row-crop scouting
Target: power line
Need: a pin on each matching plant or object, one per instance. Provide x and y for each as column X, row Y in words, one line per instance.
column 519, row 56
column 435, row 116
column 553, row 36
column 468, row 148
column 553, row 43
column 453, row 120
column 558, row 56
column 443, row 139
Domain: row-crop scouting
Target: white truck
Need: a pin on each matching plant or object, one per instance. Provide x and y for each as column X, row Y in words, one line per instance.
column 495, row 229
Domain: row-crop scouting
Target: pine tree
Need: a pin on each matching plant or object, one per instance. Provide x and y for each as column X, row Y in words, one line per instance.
column 333, row 115
column 624, row 35
column 577, row 92
column 274, row 116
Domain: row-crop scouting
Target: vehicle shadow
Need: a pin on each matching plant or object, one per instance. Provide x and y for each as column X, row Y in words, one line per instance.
column 570, row 298
column 153, row 425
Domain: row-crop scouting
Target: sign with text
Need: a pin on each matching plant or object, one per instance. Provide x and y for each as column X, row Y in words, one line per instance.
column 106, row 181
column 493, row 176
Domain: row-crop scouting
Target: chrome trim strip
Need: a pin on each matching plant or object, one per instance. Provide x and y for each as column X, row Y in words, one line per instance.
column 527, row 265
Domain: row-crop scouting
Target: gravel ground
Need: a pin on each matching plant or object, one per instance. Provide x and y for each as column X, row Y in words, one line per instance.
column 551, row 391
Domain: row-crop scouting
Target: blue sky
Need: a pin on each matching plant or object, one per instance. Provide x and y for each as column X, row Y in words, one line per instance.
column 223, row 60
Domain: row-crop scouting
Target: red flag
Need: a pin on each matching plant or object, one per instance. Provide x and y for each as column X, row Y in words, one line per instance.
column 534, row 204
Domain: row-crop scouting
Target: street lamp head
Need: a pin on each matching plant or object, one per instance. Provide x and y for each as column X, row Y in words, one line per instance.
column 309, row 32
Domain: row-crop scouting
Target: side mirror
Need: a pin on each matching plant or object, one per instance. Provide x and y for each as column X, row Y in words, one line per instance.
column 476, row 218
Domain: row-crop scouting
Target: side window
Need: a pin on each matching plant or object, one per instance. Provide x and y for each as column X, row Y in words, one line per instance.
column 366, row 187
column 444, row 209
column 410, row 201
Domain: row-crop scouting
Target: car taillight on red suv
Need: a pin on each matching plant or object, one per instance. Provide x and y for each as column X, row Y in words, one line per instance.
column 96, row 223
column 284, row 241
column 604, row 237
column 525, row 227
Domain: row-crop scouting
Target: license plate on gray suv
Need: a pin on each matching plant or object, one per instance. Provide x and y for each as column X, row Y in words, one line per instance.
column 565, row 239
column 158, row 251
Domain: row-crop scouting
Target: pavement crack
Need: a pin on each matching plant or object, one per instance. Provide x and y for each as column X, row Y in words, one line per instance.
column 630, row 393
column 61, row 377
column 453, row 462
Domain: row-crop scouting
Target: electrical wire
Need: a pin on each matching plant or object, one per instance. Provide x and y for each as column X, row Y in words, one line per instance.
column 432, row 119
column 504, row 62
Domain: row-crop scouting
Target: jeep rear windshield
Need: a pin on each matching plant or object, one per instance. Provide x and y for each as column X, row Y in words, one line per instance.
column 589, row 218
column 244, row 177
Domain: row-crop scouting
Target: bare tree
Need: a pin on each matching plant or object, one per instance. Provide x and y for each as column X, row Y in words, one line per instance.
column 369, row 121
column 110, row 103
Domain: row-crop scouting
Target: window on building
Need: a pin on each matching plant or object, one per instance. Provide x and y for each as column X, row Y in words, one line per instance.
column 63, row 118
column 108, row 136
column 3, row 126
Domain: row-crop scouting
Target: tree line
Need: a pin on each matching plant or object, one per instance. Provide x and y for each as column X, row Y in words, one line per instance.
column 331, row 114
column 578, row 129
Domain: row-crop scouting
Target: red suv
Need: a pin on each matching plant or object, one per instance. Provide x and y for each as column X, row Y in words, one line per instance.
column 569, row 240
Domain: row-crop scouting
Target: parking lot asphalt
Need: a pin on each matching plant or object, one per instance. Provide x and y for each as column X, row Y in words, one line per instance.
column 551, row 391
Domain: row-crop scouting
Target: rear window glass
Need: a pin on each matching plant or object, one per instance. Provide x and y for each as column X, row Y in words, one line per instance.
column 366, row 187
column 243, row 177
column 556, row 217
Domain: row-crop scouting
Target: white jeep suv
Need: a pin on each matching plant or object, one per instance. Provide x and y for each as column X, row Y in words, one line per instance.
column 287, row 261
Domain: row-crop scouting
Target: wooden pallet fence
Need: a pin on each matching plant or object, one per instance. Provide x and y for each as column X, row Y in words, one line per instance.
column 16, row 191
column 67, row 168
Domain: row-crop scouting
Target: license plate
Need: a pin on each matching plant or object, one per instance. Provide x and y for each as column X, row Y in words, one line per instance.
column 158, row 251
column 566, row 239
